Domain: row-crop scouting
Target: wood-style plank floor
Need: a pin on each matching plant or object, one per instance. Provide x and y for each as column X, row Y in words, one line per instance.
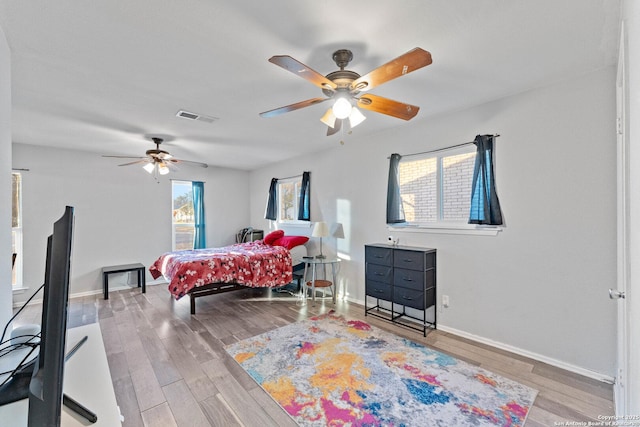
column 170, row 368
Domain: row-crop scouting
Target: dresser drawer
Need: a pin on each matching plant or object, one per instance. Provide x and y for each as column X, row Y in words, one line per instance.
column 377, row 255
column 414, row 299
column 378, row 290
column 379, row 273
column 412, row 260
column 409, row 297
column 411, row 279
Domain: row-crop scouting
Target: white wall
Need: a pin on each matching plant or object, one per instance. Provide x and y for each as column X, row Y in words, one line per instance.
column 5, row 184
column 122, row 215
column 540, row 285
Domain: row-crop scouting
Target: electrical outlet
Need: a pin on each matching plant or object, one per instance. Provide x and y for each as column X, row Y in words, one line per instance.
column 445, row 301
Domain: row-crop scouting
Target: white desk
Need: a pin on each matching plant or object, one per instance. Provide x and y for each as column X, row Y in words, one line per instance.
column 86, row 379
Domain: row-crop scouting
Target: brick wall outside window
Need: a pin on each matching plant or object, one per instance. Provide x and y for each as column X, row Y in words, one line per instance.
column 419, row 188
column 457, row 175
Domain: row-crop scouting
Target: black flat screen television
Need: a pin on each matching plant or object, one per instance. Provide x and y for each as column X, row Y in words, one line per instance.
column 41, row 379
column 45, row 388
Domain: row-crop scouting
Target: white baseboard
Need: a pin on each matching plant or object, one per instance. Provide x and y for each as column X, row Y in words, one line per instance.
column 355, row 301
column 535, row 356
column 93, row 292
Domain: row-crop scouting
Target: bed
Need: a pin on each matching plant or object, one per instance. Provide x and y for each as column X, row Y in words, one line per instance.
column 210, row 271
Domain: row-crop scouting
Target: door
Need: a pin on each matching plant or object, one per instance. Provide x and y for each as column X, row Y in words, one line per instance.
column 621, row 391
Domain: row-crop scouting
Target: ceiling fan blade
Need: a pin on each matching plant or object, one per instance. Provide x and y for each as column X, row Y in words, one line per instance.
column 135, row 162
column 299, row 69
column 335, row 129
column 172, row 165
column 387, row 106
column 293, row 107
column 188, row 162
column 404, row 64
column 124, row 157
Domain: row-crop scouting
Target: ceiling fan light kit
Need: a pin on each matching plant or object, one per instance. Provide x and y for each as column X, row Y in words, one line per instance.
column 345, row 87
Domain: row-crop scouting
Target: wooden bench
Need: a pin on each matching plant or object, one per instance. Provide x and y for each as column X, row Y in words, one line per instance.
column 139, row 268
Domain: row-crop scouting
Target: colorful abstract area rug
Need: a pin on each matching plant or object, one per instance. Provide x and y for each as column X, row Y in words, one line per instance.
column 331, row 371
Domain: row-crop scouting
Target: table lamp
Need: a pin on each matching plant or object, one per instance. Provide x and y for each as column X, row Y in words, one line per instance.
column 320, row 230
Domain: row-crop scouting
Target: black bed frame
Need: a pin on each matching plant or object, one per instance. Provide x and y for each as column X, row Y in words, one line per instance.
column 219, row 288
column 210, row 289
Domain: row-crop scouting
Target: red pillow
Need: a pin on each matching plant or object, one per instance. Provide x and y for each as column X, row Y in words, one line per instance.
column 291, row 242
column 272, row 237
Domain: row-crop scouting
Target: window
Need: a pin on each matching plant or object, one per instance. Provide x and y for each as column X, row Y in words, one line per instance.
column 436, row 188
column 289, row 199
column 183, row 216
column 16, row 229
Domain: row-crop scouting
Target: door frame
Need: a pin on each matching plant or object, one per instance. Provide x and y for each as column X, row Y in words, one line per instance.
column 621, row 390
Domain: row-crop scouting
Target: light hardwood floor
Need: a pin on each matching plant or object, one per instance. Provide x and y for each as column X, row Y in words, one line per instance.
column 170, row 368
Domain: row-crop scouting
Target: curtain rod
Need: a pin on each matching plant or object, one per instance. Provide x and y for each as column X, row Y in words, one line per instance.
column 289, row 177
column 441, row 149
column 20, row 169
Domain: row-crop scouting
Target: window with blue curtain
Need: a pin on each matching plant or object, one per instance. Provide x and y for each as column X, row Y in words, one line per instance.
column 199, row 239
column 304, row 210
column 485, row 206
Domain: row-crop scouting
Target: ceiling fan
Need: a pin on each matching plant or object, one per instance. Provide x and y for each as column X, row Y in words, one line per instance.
column 157, row 161
column 348, row 89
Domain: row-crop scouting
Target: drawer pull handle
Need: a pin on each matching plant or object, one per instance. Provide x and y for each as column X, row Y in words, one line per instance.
column 379, row 291
column 407, row 279
column 379, row 256
column 407, row 298
column 408, row 260
column 378, row 273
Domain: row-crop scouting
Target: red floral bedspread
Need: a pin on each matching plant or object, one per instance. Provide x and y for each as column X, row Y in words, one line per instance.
column 252, row 264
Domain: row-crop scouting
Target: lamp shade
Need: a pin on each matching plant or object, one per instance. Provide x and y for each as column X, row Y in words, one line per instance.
column 163, row 168
column 356, row 117
column 320, row 229
column 149, row 167
column 337, row 231
column 329, row 118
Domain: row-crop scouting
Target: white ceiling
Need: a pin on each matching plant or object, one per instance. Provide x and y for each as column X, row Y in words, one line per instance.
column 101, row 75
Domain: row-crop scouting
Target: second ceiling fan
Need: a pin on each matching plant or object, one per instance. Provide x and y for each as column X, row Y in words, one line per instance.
column 348, row 89
column 157, row 161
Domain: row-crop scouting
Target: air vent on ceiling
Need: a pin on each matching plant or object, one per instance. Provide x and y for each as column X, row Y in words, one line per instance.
column 193, row 116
